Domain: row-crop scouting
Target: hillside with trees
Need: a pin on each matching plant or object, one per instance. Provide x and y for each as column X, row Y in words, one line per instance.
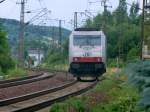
column 34, row 34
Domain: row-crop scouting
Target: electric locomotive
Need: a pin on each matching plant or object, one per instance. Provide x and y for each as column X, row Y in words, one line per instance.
column 87, row 53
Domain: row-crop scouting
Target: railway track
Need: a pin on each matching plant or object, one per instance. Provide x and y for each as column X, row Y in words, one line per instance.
column 36, row 101
column 25, row 80
column 19, row 79
column 39, row 73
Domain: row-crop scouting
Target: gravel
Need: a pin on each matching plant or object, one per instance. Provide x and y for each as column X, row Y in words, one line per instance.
column 59, row 79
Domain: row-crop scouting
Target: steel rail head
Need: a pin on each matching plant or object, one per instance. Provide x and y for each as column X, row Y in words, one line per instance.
column 59, row 99
column 19, row 79
column 35, row 94
column 35, row 79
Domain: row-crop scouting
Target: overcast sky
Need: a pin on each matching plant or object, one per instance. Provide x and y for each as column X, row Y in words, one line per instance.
column 61, row 9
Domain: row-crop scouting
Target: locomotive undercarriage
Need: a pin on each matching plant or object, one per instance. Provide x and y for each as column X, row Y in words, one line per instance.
column 91, row 69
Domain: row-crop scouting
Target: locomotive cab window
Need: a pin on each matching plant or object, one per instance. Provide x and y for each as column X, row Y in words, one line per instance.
column 87, row 40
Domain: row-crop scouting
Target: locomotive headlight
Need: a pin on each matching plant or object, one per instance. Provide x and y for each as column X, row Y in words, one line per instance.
column 99, row 59
column 75, row 59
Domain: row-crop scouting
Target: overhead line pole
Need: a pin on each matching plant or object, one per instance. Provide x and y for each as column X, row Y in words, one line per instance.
column 75, row 20
column 142, row 30
column 21, row 35
column 60, row 32
column 105, row 9
column 53, row 29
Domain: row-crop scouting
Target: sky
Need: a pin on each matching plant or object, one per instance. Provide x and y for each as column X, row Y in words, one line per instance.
column 60, row 9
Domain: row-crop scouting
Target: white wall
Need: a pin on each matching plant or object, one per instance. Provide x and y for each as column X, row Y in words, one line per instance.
column 38, row 58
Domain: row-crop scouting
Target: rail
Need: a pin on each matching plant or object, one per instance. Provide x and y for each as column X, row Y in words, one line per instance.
column 33, row 95
column 36, row 101
column 25, row 81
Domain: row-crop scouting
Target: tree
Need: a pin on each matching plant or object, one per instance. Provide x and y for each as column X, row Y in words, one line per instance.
column 134, row 10
column 5, row 59
column 121, row 14
column 123, row 35
column 88, row 23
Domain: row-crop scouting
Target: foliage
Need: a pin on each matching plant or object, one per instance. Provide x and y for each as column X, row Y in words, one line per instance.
column 122, row 31
column 132, row 54
column 5, row 59
column 35, row 35
column 110, row 95
column 139, row 75
column 122, row 98
column 1, row 73
column 57, row 58
column 72, row 105
column 14, row 73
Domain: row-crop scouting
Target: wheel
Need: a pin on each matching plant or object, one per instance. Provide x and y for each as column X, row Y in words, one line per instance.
column 78, row 78
column 69, row 70
column 97, row 79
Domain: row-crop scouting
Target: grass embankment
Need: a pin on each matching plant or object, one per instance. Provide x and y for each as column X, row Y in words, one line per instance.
column 57, row 67
column 15, row 73
column 110, row 95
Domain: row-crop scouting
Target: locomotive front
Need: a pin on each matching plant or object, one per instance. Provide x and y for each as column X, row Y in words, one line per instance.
column 87, row 53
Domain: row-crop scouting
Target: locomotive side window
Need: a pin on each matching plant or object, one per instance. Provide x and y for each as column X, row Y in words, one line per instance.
column 85, row 40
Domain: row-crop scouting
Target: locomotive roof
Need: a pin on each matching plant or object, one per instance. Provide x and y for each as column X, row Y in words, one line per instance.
column 87, row 29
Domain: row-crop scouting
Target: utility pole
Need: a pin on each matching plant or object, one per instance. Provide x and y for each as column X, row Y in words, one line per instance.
column 105, row 9
column 53, row 29
column 104, row 4
column 145, row 21
column 21, row 35
column 75, row 20
column 142, row 30
column 60, row 32
column 76, row 17
column 39, row 52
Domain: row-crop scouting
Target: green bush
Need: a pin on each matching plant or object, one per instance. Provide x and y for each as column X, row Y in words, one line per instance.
column 132, row 54
column 113, row 63
column 139, row 75
column 17, row 72
column 110, row 95
column 1, row 73
column 6, row 61
column 71, row 105
column 61, row 107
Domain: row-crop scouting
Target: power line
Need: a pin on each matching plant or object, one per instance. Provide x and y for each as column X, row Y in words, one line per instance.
column 40, row 14
column 86, row 13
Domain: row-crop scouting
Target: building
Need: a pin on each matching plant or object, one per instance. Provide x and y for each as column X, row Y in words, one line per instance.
column 36, row 57
column 146, row 52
